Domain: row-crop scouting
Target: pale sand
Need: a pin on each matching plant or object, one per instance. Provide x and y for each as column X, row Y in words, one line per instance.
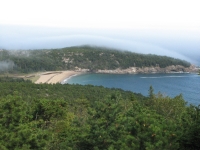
column 55, row 76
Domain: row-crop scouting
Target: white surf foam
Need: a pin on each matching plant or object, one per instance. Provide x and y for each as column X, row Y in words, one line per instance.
column 166, row 77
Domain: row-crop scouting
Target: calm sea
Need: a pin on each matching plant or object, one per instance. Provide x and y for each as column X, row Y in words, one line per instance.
column 168, row 84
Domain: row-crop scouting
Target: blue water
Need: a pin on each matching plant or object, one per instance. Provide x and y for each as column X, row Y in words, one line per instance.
column 168, row 84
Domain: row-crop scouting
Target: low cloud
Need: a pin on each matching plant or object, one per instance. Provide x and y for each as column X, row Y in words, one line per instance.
column 6, row 65
column 184, row 45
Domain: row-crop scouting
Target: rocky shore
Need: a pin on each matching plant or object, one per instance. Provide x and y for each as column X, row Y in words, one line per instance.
column 134, row 70
column 55, row 76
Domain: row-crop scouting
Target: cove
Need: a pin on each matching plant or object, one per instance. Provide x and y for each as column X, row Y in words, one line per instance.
column 171, row 84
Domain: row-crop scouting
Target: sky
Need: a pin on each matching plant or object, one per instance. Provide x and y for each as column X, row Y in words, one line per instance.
column 164, row 27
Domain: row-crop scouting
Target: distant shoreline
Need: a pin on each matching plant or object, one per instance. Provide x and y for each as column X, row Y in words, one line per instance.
column 53, row 77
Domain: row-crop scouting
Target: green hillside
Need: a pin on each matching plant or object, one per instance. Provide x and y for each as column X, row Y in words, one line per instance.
column 87, row 57
column 61, row 117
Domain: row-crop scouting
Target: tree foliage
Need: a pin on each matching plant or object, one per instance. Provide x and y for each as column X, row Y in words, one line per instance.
column 45, row 116
column 92, row 58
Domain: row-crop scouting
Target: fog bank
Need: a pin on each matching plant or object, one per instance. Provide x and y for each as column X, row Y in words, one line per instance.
column 179, row 44
column 6, row 65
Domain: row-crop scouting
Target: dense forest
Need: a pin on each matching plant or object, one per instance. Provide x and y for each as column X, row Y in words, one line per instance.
column 87, row 57
column 56, row 116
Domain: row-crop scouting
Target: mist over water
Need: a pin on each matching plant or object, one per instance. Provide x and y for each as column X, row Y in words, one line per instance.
column 179, row 44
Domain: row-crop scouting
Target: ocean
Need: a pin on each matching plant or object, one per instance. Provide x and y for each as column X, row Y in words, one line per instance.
column 168, row 84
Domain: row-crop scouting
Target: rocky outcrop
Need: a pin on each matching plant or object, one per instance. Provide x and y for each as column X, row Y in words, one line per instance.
column 169, row 69
column 81, row 69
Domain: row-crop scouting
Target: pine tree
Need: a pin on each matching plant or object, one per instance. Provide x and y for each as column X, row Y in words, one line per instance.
column 151, row 92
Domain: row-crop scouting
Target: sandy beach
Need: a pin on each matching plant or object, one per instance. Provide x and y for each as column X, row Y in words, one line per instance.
column 53, row 77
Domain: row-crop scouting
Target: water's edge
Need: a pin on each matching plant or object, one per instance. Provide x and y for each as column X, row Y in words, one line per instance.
column 170, row 84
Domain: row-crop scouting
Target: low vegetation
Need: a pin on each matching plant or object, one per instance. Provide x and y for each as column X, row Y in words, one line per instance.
column 56, row 116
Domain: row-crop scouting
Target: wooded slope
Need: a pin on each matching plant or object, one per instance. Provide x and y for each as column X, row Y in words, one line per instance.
column 87, row 57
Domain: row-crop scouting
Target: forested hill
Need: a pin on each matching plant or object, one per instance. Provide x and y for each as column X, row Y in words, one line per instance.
column 92, row 58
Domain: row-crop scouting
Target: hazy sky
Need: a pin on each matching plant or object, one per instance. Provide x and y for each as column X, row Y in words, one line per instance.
column 165, row 27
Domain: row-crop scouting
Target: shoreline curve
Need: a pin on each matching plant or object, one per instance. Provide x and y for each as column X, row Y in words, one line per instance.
column 53, row 77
